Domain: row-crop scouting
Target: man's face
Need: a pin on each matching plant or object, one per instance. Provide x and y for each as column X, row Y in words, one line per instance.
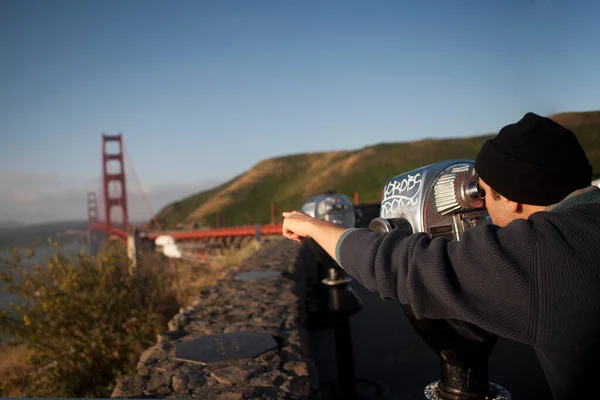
column 496, row 206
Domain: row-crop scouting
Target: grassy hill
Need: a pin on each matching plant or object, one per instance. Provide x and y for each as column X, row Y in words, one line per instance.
column 288, row 181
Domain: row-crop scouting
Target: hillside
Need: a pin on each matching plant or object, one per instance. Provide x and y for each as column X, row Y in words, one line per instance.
column 288, row 181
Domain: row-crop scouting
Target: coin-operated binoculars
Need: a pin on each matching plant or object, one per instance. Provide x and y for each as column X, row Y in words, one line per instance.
column 335, row 295
column 337, row 300
column 444, row 199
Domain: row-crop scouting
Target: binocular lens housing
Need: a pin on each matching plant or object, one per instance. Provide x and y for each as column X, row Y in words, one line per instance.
column 334, row 208
column 385, row 225
column 474, row 192
column 441, row 199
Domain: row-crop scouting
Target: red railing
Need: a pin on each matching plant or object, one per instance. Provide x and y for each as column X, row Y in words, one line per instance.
column 198, row 234
column 220, row 232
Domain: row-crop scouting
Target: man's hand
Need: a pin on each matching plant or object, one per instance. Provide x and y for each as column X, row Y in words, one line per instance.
column 297, row 225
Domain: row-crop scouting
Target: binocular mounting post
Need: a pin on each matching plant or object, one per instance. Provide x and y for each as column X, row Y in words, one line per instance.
column 464, row 350
column 338, row 302
column 343, row 302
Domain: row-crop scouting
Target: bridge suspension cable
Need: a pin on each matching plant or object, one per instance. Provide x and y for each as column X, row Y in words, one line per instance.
column 144, row 197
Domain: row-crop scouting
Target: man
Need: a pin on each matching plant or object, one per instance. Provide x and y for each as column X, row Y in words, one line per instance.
column 531, row 276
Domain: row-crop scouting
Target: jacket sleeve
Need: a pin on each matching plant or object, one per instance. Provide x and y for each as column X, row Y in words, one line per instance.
column 483, row 279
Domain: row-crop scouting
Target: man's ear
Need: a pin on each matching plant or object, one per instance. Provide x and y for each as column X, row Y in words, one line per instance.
column 514, row 207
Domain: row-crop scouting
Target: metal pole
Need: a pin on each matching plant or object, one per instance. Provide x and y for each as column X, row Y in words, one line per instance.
column 133, row 240
column 338, row 301
column 345, row 359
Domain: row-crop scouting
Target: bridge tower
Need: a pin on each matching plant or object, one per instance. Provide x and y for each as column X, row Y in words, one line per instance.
column 92, row 237
column 92, row 207
column 119, row 200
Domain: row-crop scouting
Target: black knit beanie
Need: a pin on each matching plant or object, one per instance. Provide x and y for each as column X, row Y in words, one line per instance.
column 534, row 161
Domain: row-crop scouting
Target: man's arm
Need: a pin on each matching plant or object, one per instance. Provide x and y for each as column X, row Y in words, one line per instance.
column 483, row 279
column 297, row 226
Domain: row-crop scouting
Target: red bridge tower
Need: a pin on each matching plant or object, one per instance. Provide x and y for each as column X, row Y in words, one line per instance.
column 119, row 200
column 92, row 207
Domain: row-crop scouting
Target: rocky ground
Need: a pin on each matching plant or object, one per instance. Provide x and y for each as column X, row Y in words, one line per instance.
column 272, row 305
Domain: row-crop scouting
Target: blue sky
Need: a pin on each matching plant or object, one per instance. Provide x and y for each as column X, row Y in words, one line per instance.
column 203, row 90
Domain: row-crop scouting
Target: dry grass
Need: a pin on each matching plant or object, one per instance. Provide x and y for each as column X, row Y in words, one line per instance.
column 226, row 196
column 576, row 119
column 340, row 163
column 191, row 278
column 14, row 370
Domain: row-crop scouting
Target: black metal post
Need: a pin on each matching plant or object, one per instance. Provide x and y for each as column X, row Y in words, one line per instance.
column 464, row 378
column 338, row 302
column 464, row 350
column 343, row 302
column 346, row 381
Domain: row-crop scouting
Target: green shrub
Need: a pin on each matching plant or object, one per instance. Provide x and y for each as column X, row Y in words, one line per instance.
column 85, row 319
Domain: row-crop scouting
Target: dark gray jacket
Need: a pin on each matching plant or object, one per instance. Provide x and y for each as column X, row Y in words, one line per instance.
column 536, row 281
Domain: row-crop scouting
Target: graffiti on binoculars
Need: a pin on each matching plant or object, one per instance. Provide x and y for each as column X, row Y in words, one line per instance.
column 401, row 193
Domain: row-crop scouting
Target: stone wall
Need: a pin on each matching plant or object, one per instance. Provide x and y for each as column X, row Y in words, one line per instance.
column 273, row 305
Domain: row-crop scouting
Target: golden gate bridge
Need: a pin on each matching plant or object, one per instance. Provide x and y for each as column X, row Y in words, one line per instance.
column 113, row 176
